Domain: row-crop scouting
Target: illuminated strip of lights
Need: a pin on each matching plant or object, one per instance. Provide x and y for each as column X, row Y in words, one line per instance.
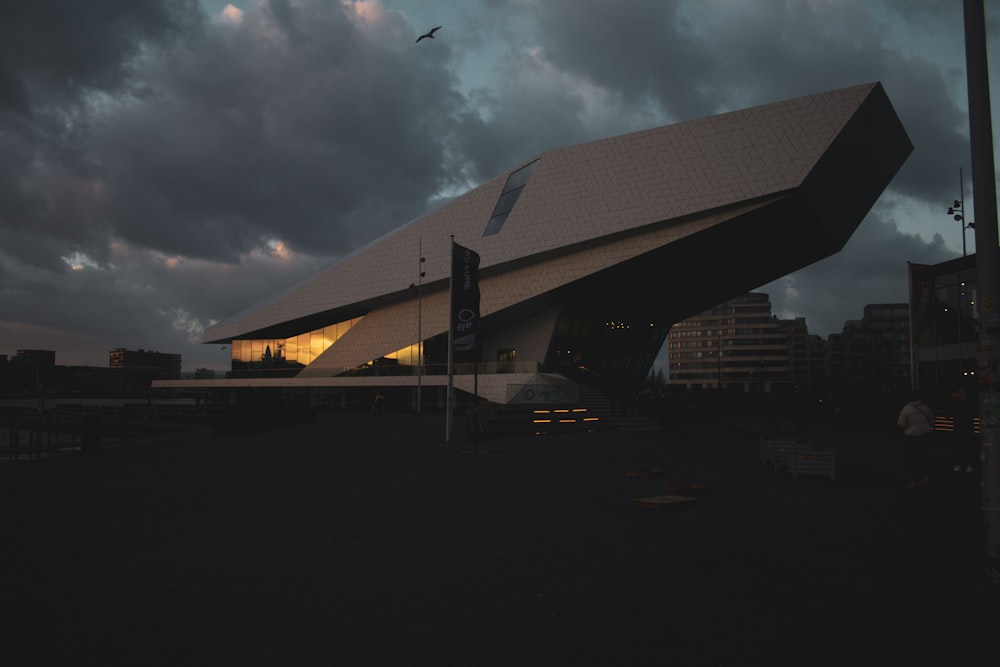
column 541, row 421
column 591, row 419
column 567, row 421
column 579, row 409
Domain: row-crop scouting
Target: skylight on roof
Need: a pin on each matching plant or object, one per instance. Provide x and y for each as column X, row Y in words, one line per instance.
column 508, row 197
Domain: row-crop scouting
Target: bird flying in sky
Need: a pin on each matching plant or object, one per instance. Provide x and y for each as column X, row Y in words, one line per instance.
column 430, row 33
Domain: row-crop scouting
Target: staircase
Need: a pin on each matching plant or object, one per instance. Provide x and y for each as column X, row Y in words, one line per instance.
column 618, row 418
column 594, row 411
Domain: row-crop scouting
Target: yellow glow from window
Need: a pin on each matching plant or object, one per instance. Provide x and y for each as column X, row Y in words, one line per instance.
column 405, row 356
column 302, row 349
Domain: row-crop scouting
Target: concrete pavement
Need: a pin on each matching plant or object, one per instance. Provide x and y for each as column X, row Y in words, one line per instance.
column 364, row 541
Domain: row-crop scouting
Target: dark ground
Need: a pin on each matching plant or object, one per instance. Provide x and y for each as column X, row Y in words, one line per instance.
column 363, row 541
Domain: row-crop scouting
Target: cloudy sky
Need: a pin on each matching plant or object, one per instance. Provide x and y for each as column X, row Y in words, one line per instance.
column 166, row 163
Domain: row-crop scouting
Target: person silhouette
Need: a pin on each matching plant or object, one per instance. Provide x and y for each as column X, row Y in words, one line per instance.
column 378, row 403
column 965, row 445
column 916, row 420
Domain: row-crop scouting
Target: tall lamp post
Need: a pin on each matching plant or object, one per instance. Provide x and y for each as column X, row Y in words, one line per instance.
column 957, row 209
column 719, row 354
column 420, row 336
column 987, row 271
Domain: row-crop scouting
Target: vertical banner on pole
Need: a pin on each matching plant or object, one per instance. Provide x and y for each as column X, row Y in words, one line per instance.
column 464, row 298
column 463, row 316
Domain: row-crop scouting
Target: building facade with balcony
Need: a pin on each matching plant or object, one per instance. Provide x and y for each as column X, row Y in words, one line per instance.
column 738, row 345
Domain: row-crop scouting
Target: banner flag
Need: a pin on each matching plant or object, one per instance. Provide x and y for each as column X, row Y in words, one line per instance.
column 464, row 298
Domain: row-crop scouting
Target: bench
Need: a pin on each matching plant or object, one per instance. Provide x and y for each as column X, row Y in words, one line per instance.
column 809, row 460
column 799, row 458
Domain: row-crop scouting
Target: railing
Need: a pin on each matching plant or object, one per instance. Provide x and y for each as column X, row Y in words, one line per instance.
column 399, row 370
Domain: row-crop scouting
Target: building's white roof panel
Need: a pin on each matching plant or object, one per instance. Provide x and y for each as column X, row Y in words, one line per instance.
column 581, row 194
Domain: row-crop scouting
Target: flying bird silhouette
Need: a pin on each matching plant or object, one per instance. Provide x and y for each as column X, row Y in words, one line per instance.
column 428, row 34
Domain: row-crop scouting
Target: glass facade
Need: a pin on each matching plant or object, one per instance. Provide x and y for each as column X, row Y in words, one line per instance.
column 293, row 353
column 945, row 309
column 620, row 349
column 945, row 319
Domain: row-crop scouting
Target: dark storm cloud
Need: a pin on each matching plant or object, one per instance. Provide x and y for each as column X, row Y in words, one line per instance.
column 51, row 51
column 53, row 57
column 188, row 136
column 645, row 49
column 571, row 77
column 247, row 135
column 287, row 126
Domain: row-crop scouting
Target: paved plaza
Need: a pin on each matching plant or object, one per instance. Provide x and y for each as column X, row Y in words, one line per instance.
column 365, row 541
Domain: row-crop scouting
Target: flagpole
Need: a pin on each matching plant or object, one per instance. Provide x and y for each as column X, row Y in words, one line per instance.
column 463, row 319
column 475, row 407
column 451, row 327
column 914, row 378
column 420, row 339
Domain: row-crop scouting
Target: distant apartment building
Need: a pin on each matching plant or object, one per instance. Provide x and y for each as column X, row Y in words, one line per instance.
column 807, row 355
column 160, row 365
column 27, row 372
column 740, row 345
column 35, row 358
column 873, row 354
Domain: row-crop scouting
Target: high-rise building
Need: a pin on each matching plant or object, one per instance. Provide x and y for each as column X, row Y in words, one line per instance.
column 807, row 355
column 737, row 344
column 873, row 354
column 161, row 365
column 36, row 358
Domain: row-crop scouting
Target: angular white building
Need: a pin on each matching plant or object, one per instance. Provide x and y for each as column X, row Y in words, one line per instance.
column 588, row 254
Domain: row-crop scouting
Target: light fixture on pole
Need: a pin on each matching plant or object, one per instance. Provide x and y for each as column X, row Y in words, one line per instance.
column 719, row 355
column 957, row 209
column 420, row 336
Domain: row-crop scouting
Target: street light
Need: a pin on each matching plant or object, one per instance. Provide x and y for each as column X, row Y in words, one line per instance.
column 719, row 353
column 420, row 337
column 957, row 209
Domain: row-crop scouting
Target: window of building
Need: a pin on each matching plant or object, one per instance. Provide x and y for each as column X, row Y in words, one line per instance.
column 508, row 197
column 506, row 360
column 293, row 352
